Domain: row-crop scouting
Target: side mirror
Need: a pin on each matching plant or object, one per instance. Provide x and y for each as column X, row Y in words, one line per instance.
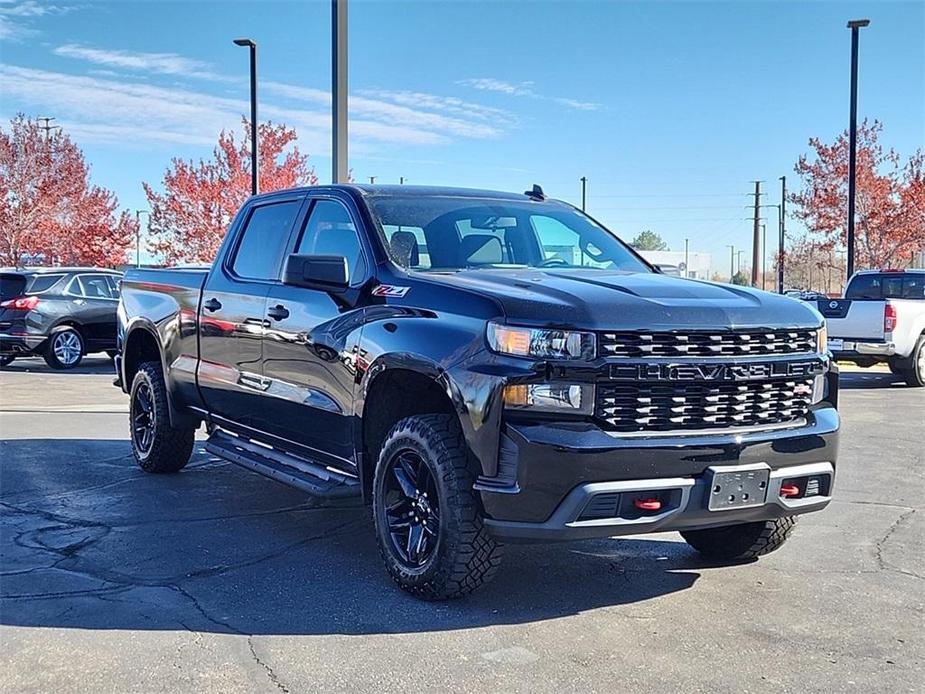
column 323, row 272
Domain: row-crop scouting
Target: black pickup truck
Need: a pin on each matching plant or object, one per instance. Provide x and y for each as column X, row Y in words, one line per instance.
column 482, row 368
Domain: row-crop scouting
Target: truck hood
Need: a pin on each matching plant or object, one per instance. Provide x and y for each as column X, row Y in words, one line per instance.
column 604, row 299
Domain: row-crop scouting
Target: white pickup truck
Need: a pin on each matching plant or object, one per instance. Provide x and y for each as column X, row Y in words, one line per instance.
column 881, row 319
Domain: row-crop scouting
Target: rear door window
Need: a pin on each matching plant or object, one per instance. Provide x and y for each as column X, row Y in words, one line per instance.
column 96, row 287
column 264, row 239
column 892, row 285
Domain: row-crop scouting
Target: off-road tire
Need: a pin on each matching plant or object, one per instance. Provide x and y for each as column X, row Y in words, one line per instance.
column 170, row 448
column 745, row 541
column 466, row 555
column 915, row 374
column 62, row 333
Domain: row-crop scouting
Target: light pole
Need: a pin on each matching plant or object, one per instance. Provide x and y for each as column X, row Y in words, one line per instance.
column 781, row 233
column 339, row 90
column 254, row 153
column 855, row 26
column 584, row 190
column 732, row 262
column 687, row 265
column 764, row 253
column 138, row 214
column 739, row 261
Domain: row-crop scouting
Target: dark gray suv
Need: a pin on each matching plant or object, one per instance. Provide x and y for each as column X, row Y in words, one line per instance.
column 59, row 313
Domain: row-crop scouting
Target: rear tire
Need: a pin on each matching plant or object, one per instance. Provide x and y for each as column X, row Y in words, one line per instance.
column 6, row 360
column 454, row 554
column 158, row 447
column 65, row 349
column 745, row 541
column 915, row 374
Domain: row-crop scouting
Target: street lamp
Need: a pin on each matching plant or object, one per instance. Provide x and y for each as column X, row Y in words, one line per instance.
column 138, row 214
column 254, row 154
column 855, row 26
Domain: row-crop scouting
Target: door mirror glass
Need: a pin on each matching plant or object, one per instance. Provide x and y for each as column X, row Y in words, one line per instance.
column 324, row 272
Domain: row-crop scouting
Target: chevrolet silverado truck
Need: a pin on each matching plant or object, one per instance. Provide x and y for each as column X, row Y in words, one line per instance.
column 881, row 320
column 482, row 368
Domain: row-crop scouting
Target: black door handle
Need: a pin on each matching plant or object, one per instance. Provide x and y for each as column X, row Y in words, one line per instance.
column 212, row 305
column 278, row 312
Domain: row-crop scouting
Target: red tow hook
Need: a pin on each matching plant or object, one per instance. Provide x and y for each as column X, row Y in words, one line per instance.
column 647, row 504
column 789, row 490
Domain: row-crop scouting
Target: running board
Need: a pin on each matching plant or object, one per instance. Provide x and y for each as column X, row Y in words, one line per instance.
column 310, row 477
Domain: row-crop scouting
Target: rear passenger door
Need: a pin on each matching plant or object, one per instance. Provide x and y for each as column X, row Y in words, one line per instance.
column 93, row 305
column 232, row 323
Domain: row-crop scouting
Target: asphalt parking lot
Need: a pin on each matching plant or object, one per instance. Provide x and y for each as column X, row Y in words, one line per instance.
column 217, row 580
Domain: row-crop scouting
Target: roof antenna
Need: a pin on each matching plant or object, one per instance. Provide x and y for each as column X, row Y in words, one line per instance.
column 535, row 194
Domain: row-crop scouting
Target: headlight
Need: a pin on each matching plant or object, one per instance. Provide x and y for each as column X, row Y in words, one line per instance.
column 551, row 397
column 822, row 339
column 541, row 343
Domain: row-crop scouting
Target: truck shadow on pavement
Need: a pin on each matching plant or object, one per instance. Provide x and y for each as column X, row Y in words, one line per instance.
column 89, row 541
column 90, row 364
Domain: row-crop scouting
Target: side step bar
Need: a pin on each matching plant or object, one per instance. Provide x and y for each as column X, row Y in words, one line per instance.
column 310, row 477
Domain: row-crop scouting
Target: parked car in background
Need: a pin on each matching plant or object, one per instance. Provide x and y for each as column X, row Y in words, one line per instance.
column 529, row 378
column 59, row 313
column 881, row 320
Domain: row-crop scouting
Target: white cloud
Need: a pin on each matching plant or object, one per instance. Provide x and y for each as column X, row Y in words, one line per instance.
column 161, row 63
column 525, row 89
column 15, row 17
column 123, row 111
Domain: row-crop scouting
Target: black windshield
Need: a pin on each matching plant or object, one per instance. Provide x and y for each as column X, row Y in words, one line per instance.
column 456, row 233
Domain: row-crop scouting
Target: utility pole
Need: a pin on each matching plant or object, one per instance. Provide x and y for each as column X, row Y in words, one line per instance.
column 756, row 240
column 138, row 214
column 255, row 157
column 732, row 262
column 686, row 258
column 339, row 89
column 855, row 27
column 782, row 233
column 584, row 190
column 764, row 253
column 372, row 180
column 48, row 127
column 401, row 180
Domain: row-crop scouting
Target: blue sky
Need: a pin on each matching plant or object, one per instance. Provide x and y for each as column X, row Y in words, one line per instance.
column 669, row 108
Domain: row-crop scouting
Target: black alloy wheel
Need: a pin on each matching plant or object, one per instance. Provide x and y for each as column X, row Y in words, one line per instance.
column 144, row 419
column 412, row 508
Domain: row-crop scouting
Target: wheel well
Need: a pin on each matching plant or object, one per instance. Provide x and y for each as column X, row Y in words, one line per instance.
column 392, row 396
column 140, row 346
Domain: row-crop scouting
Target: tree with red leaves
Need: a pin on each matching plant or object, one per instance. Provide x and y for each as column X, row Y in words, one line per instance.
column 890, row 211
column 50, row 214
column 189, row 219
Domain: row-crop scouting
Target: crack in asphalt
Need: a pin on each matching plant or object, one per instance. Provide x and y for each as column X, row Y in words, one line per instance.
column 269, row 670
column 882, row 563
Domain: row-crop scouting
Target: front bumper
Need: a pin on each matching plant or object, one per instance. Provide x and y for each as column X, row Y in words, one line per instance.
column 547, row 469
column 686, row 507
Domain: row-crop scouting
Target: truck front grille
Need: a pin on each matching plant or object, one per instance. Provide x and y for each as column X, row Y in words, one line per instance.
column 670, row 406
column 707, row 344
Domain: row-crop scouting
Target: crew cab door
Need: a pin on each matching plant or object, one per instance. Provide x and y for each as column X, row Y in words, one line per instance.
column 231, row 313
column 312, row 337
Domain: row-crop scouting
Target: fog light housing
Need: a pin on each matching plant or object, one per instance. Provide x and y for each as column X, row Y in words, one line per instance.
column 570, row 398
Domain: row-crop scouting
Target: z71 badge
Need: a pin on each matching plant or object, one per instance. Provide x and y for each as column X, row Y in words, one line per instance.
column 390, row 290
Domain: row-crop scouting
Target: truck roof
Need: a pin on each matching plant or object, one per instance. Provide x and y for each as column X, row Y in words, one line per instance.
column 64, row 268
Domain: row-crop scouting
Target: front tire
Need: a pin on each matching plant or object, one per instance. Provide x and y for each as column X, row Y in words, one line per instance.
column 65, row 349
column 745, row 541
column 157, row 446
column 428, row 518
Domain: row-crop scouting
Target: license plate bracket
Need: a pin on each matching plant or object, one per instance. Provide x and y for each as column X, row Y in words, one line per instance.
column 737, row 486
column 835, row 344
